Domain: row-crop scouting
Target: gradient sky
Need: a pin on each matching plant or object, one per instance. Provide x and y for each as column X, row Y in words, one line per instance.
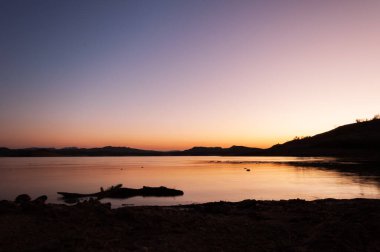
column 175, row 74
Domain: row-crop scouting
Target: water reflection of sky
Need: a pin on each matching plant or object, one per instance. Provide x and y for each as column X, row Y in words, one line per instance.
column 200, row 179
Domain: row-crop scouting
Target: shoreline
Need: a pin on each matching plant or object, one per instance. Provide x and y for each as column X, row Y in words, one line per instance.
column 249, row 225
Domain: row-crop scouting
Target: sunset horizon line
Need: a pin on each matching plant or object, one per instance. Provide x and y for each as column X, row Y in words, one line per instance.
column 130, row 147
column 183, row 147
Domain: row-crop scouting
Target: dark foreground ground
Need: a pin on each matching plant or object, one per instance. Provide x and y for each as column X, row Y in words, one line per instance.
column 294, row 225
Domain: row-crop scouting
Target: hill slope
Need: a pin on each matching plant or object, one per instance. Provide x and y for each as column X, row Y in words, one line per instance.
column 352, row 139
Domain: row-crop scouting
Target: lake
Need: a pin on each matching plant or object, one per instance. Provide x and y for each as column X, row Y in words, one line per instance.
column 203, row 179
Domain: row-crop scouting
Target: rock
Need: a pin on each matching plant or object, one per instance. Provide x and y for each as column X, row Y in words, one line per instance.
column 22, row 199
column 41, row 199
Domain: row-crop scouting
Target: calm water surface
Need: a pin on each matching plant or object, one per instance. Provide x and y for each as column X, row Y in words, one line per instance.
column 200, row 179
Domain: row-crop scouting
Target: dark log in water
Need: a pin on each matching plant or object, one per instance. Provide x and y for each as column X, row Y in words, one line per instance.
column 119, row 192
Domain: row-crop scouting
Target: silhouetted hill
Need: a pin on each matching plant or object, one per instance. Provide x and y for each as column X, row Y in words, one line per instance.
column 218, row 151
column 357, row 139
column 104, row 151
column 5, row 151
column 126, row 151
column 361, row 138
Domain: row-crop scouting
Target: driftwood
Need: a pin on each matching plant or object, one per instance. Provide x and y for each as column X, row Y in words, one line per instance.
column 119, row 192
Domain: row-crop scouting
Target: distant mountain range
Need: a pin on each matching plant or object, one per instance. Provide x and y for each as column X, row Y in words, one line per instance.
column 357, row 139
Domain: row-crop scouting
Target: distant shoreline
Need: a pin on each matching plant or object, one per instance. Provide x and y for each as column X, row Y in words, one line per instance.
column 361, row 139
column 234, row 151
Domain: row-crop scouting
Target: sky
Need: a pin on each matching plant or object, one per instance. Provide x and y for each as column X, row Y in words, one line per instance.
column 168, row 75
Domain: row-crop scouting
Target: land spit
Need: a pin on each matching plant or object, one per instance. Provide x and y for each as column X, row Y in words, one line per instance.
column 250, row 225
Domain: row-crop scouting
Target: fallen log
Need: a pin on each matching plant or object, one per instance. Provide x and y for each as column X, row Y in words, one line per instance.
column 120, row 193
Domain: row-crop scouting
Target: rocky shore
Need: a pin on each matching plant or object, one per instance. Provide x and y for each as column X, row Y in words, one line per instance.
column 250, row 225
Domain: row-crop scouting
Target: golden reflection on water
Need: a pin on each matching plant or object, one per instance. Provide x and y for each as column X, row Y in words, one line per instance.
column 200, row 179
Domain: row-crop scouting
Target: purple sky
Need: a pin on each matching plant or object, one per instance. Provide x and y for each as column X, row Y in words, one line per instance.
column 174, row 74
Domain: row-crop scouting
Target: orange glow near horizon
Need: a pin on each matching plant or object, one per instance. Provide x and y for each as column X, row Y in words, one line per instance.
column 148, row 142
column 153, row 141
